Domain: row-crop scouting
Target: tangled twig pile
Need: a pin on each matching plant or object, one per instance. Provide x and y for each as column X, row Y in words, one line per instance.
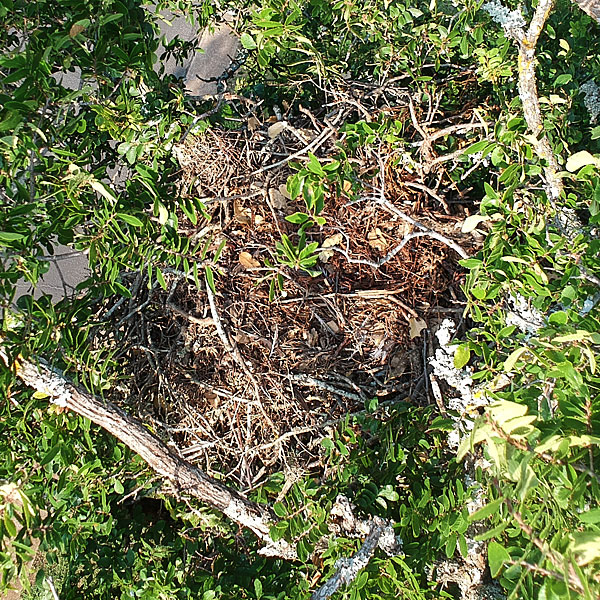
column 246, row 386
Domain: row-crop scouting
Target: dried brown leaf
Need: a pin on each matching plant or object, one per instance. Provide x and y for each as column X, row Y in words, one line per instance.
column 277, row 199
column 376, row 240
column 242, row 215
column 416, row 326
column 76, row 29
column 284, row 191
column 333, row 240
column 247, row 261
column 275, row 129
column 253, row 124
column 333, row 326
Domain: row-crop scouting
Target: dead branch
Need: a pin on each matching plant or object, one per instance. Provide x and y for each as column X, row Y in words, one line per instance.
column 184, row 477
column 424, row 230
column 514, row 27
column 346, row 569
column 590, row 7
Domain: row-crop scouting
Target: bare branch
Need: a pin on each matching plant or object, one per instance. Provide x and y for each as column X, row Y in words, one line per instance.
column 185, row 477
column 527, row 42
column 346, row 569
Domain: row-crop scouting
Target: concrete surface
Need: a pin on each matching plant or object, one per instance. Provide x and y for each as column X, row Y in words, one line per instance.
column 68, row 268
column 220, row 48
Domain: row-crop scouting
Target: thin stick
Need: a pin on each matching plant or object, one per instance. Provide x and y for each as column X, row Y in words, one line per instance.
column 231, row 347
column 52, row 588
column 190, row 318
column 308, row 380
column 318, row 141
column 432, row 234
column 434, row 195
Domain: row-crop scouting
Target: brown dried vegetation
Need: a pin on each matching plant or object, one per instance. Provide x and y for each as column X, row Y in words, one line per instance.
column 316, row 353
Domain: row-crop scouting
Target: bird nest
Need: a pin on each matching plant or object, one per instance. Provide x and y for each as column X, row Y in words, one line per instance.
column 245, row 385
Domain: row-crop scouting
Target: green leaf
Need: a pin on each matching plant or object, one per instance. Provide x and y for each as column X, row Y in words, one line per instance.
column 591, row 516
column 559, row 317
column 514, row 356
column 50, row 455
column 121, row 289
column 219, row 251
column 497, row 556
column 110, row 18
column 210, row 279
column 130, row 220
column 586, row 547
column 302, row 551
column 247, row 41
column 118, row 487
column 272, row 290
column 361, row 580
column 9, row 525
column 7, row 236
column 505, row 410
column 527, row 481
column 579, row 336
column 298, row 218
column 258, row 589
column 462, row 356
column 451, row 545
column 490, row 192
column 99, row 187
column 389, row 493
column 580, row 159
column 161, row 279
column 279, row 509
column 491, row 533
column 314, row 166
column 486, row 511
column 512, row 426
column 471, row 223
column 562, row 79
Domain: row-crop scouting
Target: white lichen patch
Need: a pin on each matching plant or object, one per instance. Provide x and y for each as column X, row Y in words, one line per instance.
column 443, row 363
column 466, row 400
column 512, row 21
column 526, row 318
column 47, row 383
column 591, row 99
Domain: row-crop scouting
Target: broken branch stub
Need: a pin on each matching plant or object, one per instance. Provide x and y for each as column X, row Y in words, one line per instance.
column 591, row 7
column 185, row 477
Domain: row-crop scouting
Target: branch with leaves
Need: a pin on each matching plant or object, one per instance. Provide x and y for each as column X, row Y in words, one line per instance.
column 185, row 477
column 514, row 25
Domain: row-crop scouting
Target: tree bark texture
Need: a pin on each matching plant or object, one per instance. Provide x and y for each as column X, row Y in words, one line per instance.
column 591, row 7
column 185, row 477
column 530, row 100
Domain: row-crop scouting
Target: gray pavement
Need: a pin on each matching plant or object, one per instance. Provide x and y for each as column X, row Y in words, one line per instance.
column 69, row 268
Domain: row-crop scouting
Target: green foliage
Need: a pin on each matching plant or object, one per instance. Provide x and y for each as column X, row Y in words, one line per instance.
column 68, row 485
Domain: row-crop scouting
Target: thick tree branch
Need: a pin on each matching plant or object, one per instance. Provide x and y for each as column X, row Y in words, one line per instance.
column 184, row 476
column 514, row 27
column 529, row 97
column 591, row 7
